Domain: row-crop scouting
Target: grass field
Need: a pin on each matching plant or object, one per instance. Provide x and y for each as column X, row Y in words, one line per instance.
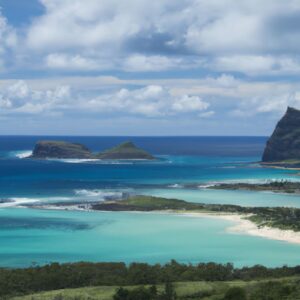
column 184, row 290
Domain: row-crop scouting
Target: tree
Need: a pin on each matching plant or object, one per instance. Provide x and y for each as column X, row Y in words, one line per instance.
column 121, row 294
column 169, row 293
column 235, row 293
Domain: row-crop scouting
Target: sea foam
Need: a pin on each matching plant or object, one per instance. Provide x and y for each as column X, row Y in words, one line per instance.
column 12, row 202
column 22, row 154
column 100, row 194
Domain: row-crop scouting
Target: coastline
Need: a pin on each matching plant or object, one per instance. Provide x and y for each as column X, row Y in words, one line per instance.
column 242, row 226
column 280, row 166
column 248, row 227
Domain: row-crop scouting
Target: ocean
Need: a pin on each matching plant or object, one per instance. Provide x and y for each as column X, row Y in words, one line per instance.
column 34, row 236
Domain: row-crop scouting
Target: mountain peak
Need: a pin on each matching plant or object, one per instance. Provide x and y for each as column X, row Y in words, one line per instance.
column 284, row 143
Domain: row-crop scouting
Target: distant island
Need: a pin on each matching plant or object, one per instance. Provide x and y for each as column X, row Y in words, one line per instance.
column 125, row 150
column 66, row 150
column 283, row 147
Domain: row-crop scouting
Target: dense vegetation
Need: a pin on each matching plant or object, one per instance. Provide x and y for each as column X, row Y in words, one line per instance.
column 279, row 289
column 73, row 275
column 280, row 186
column 279, row 217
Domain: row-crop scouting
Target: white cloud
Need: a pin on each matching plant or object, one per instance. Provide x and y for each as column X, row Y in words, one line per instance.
column 132, row 63
column 8, row 40
column 20, row 98
column 258, row 64
column 150, row 101
column 189, row 104
column 223, row 35
column 140, row 35
column 139, row 62
column 70, row 62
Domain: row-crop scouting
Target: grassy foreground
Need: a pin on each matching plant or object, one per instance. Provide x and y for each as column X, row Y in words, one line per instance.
column 284, row 288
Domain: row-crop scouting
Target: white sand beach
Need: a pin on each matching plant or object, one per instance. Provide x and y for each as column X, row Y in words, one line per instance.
column 244, row 226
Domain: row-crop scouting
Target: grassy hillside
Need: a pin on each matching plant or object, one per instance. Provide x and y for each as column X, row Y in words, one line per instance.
column 275, row 289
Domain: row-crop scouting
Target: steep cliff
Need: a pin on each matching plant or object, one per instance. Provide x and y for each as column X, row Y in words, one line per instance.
column 284, row 144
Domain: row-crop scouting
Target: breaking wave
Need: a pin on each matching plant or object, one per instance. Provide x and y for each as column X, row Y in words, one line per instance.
column 21, row 154
column 100, row 194
column 12, row 202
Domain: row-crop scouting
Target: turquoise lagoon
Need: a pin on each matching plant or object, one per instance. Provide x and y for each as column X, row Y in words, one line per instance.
column 31, row 236
column 36, row 236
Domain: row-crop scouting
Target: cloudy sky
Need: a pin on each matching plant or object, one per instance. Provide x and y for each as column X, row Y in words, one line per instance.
column 140, row 67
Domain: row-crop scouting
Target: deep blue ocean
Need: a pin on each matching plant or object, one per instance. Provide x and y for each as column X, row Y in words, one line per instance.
column 30, row 235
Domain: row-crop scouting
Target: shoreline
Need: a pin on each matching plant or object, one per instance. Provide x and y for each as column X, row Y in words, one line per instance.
column 248, row 227
column 242, row 226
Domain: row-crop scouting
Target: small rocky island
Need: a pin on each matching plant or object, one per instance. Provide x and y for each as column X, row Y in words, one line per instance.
column 125, row 150
column 66, row 150
column 60, row 149
column 283, row 147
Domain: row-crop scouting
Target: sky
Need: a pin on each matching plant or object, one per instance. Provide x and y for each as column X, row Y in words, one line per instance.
column 140, row 67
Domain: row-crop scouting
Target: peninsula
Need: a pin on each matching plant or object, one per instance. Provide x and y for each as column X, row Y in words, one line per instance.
column 278, row 186
column 66, row 150
column 279, row 223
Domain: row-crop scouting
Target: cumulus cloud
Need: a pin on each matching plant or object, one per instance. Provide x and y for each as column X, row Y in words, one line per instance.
column 20, row 98
column 142, row 35
column 8, row 40
column 140, row 62
column 258, row 64
column 149, row 101
column 70, row 62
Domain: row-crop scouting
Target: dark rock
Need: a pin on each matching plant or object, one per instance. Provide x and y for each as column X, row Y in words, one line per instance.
column 284, row 144
column 60, row 149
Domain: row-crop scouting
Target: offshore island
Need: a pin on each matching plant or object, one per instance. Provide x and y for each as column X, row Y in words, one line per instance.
column 216, row 281
column 280, row 223
column 66, row 150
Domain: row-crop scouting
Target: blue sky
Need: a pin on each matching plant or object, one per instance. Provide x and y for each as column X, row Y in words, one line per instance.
column 138, row 67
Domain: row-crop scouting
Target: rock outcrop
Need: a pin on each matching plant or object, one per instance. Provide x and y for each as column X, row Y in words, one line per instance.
column 284, row 144
column 125, row 150
column 65, row 150
column 60, row 149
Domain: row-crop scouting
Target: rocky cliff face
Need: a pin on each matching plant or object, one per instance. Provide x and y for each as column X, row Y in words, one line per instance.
column 284, row 144
column 60, row 149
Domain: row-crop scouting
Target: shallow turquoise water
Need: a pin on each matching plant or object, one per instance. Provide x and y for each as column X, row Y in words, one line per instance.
column 40, row 236
column 243, row 198
column 44, row 236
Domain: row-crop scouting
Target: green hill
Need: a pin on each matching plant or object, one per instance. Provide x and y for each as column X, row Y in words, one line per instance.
column 125, row 150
